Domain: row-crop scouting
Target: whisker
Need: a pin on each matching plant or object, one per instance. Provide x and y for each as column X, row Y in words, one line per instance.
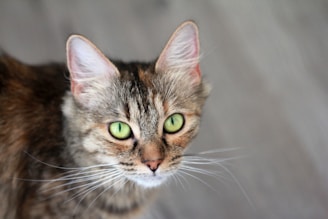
column 62, row 178
column 105, row 173
column 199, row 170
column 239, row 185
column 105, row 181
column 50, row 165
column 81, row 174
column 189, row 162
column 73, row 188
column 177, row 180
column 220, row 150
column 184, row 179
column 105, row 190
column 85, row 192
column 198, row 179
column 214, row 174
column 101, row 182
column 68, row 168
column 205, row 160
column 74, row 180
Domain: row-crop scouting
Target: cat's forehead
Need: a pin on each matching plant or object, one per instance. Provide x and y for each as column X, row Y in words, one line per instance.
column 134, row 85
column 135, row 70
column 140, row 83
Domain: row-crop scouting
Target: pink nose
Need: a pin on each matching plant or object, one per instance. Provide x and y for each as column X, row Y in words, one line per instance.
column 153, row 164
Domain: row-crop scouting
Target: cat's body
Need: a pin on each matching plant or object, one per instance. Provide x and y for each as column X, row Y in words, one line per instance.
column 62, row 152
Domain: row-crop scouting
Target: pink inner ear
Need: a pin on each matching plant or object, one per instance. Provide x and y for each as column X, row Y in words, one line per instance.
column 74, row 86
column 182, row 52
column 199, row 73
column 88, row 68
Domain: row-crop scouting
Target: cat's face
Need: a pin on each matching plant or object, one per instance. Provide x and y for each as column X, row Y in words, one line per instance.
column 136, row 119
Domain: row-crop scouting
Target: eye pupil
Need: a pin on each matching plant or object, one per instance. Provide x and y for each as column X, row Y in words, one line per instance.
column 119, row 127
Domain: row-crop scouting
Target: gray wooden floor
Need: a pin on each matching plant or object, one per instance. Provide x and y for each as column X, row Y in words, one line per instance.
column 267, row 61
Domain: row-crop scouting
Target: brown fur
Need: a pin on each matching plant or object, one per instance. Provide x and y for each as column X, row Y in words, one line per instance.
column 30, row 121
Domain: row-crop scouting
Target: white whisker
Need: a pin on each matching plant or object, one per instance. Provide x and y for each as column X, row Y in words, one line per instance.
column 47, row 164
column 105, row 181
column 68, row 168
column 105, row 190
column 198, row 179
column 74, row 180
column 202, row 159
column 98, row 183
column 239, row 185
column 177, row 180
column 212, row 173
column 201, row 171
column 220, row 150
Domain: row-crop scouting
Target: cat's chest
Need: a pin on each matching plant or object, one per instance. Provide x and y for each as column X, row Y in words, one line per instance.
column 56, row 199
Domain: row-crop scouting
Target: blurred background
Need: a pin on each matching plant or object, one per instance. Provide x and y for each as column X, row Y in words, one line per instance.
column 267, row 62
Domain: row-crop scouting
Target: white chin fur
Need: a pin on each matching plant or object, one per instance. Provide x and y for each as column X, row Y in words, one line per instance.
column 148, row 181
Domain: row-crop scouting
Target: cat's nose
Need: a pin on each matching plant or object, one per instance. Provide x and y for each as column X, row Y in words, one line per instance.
column 153, row 164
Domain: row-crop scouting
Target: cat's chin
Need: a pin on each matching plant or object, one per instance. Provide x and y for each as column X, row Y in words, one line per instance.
column 149, row 181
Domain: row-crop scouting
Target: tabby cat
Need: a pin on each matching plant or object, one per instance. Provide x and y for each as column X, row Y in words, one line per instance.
column 100, row 144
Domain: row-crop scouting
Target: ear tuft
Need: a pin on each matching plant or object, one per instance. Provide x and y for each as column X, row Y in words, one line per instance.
column 181, row 53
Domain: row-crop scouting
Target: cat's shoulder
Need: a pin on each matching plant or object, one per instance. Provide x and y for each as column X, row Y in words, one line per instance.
column 8, row 71
column 11, row 65
column 46, row 80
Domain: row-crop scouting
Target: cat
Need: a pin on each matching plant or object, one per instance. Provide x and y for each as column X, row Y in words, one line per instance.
column 99, row 144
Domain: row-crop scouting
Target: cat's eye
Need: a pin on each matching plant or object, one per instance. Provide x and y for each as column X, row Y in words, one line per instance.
column 120, row 130
column 174, row 123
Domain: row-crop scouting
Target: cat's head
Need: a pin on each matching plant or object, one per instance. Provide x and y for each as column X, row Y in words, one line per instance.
column 134, row 118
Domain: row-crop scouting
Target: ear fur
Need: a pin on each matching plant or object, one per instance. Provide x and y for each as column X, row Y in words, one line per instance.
column 88, row 68
column 181, row 53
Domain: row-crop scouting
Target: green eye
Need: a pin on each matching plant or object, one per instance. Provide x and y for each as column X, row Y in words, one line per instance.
column 120, row 130
column 174, row 123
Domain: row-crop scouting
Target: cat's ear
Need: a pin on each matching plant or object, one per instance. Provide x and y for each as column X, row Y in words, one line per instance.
column 89, row 68
column 181, row 53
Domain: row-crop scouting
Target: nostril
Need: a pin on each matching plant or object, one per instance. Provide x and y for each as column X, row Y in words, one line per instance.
column 153, row 164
